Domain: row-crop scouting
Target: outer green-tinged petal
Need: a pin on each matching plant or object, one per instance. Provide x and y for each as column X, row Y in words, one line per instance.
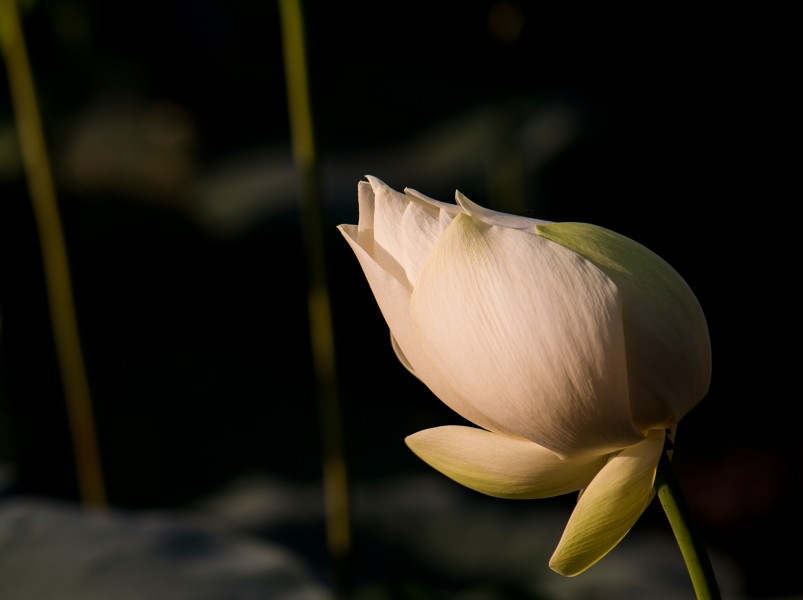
column 499, row 465
column 609, row 506
column 668, row 348
column 529, row 333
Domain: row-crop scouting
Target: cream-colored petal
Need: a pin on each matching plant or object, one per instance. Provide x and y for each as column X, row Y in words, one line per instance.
column 609, row 506
column 389, row 208
column 499, row 465
column 529, row 334
column 420, row 229
column 392, row 293
column 424, row 222
column 668, row 346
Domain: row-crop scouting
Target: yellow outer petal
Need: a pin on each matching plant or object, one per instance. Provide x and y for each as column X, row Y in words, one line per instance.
column 609, row 506
column 499, row 465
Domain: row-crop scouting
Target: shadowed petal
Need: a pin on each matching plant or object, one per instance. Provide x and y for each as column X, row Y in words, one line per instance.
column 365, row 201
column 499, row 465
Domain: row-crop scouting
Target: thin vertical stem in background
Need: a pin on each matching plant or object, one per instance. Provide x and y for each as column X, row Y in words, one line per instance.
column 54, row 257
column 338, row 519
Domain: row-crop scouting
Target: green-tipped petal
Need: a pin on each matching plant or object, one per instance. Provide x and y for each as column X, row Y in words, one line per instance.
column 609, row 506
column 529, row 333
column 499, row 465
column 668, row 347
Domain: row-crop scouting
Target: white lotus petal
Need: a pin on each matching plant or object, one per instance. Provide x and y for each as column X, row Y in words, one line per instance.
column 389, row 208
column 363, row 234
column 668, row 347
column 499, row 465
column 609, row 506
column 417, row 218
column 420, row 229
column 492, row 217
column 404, row 227
column 529, row 333
column 393, row 294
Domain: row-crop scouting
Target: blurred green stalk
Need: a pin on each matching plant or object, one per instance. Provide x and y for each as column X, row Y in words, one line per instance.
column 54, row 257
column 335, row 481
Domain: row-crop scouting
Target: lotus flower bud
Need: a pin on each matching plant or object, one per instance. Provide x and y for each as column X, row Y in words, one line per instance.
column 572, row 347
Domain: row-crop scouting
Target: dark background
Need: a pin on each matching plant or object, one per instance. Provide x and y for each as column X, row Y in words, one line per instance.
column 168, row 130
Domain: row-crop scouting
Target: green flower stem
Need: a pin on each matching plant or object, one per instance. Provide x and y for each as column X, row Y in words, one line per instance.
column 54, row 257
column 335, row 482
column 684, row 526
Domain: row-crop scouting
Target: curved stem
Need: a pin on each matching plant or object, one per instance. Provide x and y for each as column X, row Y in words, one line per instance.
column 684, row 527
column 54, row 257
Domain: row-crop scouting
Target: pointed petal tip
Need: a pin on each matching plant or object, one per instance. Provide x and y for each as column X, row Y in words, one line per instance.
column 416, row 195
column 348, row 230
column 466, row 204
column 564, row 569
column 569, row 564
column 375, row 182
